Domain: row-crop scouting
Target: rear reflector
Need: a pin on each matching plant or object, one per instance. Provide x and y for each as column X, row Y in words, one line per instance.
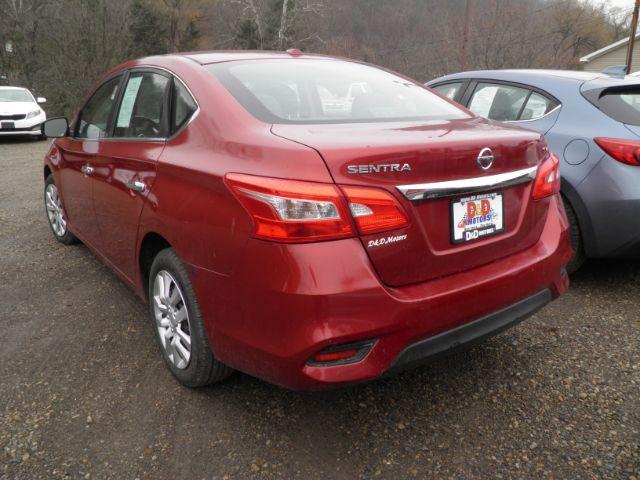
column 374, row 210
column 548, row 178
column 625, row 151
column 330, row 357
column 292, row 211
column 342, row 354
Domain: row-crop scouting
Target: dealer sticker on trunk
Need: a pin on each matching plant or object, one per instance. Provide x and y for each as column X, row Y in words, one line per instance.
column 476, row 217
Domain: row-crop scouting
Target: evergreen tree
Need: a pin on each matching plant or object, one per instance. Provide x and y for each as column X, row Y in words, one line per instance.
column 190, row 37
column 280, row 23
column 247, row 37
column 148, row 30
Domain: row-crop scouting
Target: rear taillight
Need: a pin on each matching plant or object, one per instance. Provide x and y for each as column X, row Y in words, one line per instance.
column 625, row 151
column 291, row 210
column 548, row 178
column 374, row 210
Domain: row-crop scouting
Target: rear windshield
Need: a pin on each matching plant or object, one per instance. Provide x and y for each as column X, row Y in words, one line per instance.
column 11, row 95
column 328, row 91
column 622, row 105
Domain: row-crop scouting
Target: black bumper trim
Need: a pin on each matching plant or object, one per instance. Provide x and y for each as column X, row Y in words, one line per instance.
column 469, row 333
column 35, row 128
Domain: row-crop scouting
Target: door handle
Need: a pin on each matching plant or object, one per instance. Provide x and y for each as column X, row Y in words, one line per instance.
column 86, row 169
column 136, row 185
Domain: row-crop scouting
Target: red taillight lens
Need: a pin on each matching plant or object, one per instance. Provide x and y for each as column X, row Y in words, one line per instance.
column 374, row 210
column 290, row 210
column 625, row 151
column 548, row 178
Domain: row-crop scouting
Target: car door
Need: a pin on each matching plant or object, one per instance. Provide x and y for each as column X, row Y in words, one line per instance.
column 79, row 151
column 522, row 105
column 125, row 170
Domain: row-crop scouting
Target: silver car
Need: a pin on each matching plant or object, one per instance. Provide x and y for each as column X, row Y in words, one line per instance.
column 591, row 121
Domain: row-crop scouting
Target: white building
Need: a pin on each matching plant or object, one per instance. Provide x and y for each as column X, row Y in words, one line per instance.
column 613, row 55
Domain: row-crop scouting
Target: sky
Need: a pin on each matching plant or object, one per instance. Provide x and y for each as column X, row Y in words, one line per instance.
column 626, row 4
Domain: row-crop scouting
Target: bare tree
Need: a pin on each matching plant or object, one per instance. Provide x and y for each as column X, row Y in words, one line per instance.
column 181, row 16
column 60, row 47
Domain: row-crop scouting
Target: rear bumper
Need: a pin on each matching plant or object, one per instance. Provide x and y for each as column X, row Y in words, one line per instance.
column 470, row 333
column 284, row 303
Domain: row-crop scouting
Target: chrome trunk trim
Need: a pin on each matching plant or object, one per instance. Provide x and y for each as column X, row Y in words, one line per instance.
column 427, row 191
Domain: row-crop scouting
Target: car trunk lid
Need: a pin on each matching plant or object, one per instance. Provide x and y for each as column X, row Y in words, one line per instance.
column 401, row 154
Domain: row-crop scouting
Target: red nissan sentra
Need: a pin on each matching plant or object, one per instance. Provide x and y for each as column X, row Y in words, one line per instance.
column 311, row 221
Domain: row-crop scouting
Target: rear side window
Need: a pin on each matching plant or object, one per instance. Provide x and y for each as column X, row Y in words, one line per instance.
column 509, row 103
column 305, row 91
column 537, row 105
column 449, row 90
column 184, row 106
column 94, row 119
column 143, row 108
column 498, row 102
column 622, row 105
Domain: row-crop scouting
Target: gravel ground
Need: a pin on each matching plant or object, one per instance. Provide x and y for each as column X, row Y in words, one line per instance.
column 84, row 393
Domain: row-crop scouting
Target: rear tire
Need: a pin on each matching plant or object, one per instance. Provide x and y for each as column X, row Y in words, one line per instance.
column 577, row 244
column 56, row 214
column 178, row 325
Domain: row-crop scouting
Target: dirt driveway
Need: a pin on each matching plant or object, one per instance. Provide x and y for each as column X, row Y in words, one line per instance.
column 84, row 394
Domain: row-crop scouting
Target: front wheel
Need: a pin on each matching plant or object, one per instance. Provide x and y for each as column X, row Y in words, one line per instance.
column 178, row 324
column 56, row 214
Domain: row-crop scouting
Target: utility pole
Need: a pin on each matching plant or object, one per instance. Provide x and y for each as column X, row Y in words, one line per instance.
column 632, row 38
column 464, row 61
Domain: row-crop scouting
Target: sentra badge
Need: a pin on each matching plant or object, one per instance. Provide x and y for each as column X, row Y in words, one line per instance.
column 380, row 168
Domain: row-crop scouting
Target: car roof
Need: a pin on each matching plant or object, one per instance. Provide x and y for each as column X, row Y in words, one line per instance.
column 558, row 83
column 13, row 88
column 205, row 58
column 535, row 76
column 523, row 74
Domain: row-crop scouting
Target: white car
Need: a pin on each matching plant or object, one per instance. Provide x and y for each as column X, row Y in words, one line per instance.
column 20, row 112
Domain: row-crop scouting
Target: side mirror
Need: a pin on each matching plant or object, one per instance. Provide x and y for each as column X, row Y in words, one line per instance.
column 56, row 127
column 41, row 100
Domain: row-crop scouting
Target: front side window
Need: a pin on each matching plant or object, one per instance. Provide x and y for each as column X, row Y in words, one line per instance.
column 328, row 91
column 93, row 122
column 142, row 112
column 498, row 102
column 449, row 90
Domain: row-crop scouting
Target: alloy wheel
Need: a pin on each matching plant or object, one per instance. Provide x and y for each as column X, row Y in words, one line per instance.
column 55, row 211
column 172, row 319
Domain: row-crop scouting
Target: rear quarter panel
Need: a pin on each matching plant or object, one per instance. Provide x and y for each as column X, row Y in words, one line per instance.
column 190, row 206
column 572, row 139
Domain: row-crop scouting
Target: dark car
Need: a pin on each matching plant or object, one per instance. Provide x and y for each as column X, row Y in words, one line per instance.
column 308, row 245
